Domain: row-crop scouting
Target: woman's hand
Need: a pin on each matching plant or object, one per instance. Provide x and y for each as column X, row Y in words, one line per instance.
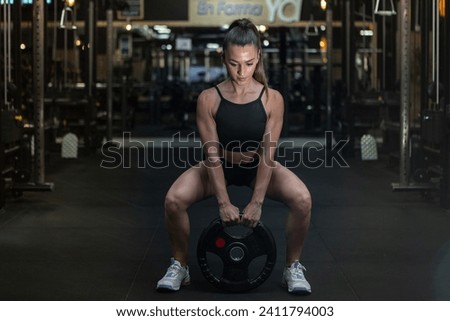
column 252, row 214
column 229, row 214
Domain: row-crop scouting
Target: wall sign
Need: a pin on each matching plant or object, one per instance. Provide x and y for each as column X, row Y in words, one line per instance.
column 217, row 12
column 214, row 12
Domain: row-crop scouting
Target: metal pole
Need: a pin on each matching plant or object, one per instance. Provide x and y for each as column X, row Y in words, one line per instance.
column 437, row 53
column 405, row 48
column 17, row 54
column 445, row 150
column 109, row 75
column 91, row 48
column 346, row 41
column 207, row 62
column 329, row 23
column 38, row 91
column 351, row 47
column 433, row 40
column 65, row 59
column 283, row 77
column 5, row 54
column 425, row 66
column 187, row 67
column 8, row 27
column 383, row 77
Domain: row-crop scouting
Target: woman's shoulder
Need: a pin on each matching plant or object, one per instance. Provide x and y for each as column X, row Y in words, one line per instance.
column 274, row 96
column 208, row 93
column 272, row 91
column 208, row 99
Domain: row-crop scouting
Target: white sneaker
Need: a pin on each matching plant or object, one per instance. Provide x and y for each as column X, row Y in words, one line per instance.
column 175, row 277
column 294, row 279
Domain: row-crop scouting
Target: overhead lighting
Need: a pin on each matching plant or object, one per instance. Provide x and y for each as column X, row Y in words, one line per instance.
column 212, row 46
column 323, row 43
column 366, row 33
column 323, row 4
column 166, row 47
column 262, row 28
column 163, row 36
column 162, row 29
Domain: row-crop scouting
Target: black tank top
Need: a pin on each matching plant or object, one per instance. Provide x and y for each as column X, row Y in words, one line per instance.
column 240, row 127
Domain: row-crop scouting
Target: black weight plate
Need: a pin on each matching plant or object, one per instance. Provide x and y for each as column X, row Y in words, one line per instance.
column 236, row 249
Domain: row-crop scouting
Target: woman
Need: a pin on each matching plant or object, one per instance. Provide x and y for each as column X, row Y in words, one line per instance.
column 239, row 122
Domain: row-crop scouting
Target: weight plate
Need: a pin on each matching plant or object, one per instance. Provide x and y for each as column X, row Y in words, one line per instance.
column 236, row 248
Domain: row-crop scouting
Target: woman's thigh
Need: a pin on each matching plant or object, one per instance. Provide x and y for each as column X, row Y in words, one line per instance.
column 285, row 186
column 191, row 186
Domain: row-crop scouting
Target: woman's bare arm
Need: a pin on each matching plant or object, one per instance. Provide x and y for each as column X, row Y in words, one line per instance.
column 275, row 110
column 207, row 104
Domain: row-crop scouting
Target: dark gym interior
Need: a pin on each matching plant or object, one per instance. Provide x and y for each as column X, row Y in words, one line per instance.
column 98, row 118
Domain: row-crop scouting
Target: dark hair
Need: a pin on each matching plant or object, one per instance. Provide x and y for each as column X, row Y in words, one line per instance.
column 244, row 32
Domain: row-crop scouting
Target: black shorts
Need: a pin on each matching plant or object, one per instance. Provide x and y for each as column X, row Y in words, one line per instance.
column 240, row 174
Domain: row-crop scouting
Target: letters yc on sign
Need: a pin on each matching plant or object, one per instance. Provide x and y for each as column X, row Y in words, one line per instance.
column 284, row 10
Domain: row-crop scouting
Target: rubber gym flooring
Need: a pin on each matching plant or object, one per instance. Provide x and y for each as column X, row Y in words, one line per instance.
column 100, row 236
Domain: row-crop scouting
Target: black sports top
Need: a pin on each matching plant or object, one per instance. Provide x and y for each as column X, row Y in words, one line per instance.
column 240, row 127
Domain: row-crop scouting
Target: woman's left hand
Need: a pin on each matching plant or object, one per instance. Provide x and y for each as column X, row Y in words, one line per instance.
column 251, row 215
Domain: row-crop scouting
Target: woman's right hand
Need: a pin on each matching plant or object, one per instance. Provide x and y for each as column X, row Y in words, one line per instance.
column 229, row 214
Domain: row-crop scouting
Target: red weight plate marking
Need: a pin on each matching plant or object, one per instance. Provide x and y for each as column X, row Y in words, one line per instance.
column 220, row 242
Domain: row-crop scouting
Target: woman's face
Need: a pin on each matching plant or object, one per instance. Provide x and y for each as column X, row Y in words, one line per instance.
column 241, row 62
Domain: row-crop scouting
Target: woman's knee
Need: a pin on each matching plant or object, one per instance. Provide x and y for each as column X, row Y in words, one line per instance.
column 301, row 201
column 173, row 203
column 186, row 190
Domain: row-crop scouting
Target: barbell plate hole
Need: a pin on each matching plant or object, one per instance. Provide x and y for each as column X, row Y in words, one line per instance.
column 237, row 253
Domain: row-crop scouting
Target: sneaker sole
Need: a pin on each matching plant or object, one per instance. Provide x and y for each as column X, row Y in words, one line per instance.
column 297, row 290
column 301, row 291
column 167, row 288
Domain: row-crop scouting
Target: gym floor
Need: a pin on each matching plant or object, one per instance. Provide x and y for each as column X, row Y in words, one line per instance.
column 100, row 235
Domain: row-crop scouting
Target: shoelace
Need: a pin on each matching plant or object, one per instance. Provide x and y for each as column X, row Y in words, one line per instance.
column 173, row 269
column 297, row 271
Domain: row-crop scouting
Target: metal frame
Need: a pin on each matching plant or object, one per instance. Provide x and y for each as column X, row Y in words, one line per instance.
column 445, row 182
column 38, row 98
column 109, row 80
column 38, row 90
column 329, row 24
column 405, row 92
column 405, row 103
column 384, row 12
